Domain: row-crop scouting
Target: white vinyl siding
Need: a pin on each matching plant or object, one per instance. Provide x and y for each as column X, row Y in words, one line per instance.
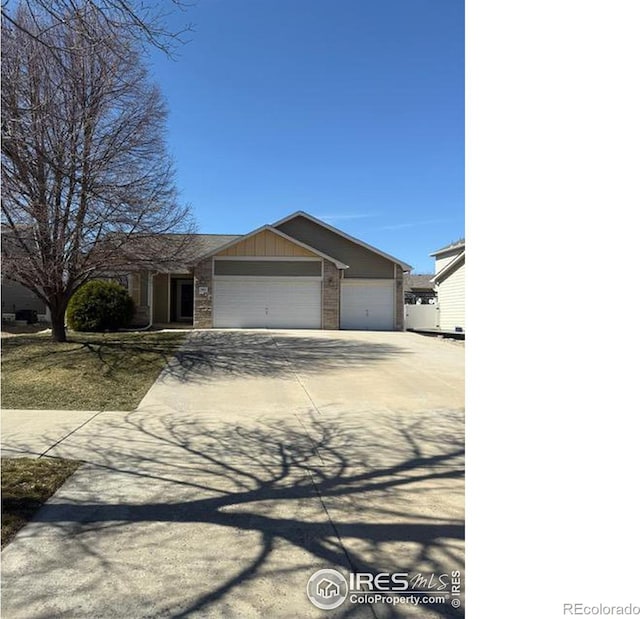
column 451, row 300
column 367, row 304
column 443, row 261
column 267, row 302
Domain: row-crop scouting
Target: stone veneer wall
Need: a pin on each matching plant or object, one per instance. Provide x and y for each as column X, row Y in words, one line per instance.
column 399, row 326
column 330, row 296
column 203, row 303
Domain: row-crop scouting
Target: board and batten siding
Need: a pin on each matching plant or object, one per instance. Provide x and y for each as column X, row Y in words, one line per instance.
column 451, row 300
column 266, row 244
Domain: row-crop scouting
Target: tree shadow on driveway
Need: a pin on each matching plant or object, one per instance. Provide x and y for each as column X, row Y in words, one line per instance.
column 276, row 499
column 210, row 354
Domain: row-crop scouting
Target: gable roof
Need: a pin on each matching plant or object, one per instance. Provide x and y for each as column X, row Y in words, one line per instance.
column 450, row 268
column 269, row 228
column 404, row 265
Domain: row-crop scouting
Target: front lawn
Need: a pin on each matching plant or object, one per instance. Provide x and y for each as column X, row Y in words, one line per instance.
column 26, row 485
column 111, row 371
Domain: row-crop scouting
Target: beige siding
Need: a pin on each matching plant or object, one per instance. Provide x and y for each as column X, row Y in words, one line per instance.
column 443, row 261
column 160, row 298
column 266, row 243
column 451, row 300
column 144, row 288
column 138, row 288
column 134, row 287
column 363, row 263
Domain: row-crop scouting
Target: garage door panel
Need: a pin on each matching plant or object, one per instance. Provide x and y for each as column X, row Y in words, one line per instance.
column 236, row 307
column 267, row 303
column 367, row 304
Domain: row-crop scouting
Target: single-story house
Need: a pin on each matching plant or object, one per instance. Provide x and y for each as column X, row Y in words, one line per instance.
column 449, row 285
column 299, row 272
column 16, row 300
column 419, row 289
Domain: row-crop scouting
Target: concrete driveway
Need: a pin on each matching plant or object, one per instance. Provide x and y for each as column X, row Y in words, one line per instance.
column 257, row 458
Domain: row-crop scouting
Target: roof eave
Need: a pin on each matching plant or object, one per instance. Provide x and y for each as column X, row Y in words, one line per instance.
column 444, row 250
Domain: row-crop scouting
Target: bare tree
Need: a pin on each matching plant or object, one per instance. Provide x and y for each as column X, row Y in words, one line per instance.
column 84, row 163
column 143, row 21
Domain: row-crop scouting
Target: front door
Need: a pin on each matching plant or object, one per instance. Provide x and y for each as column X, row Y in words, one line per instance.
column 184, row 300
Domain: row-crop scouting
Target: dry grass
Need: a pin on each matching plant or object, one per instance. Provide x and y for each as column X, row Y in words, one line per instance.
column 9, row 329
column 26, row 485
column 110, row 371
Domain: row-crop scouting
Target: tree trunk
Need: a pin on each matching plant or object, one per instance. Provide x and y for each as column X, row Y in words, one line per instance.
column 58, row 331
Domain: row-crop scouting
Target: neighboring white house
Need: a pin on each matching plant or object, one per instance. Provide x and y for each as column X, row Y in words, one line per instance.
column 449, row 284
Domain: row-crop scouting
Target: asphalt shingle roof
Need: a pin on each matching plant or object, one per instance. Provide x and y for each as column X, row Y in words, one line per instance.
column 172, row 252
column 419, row 281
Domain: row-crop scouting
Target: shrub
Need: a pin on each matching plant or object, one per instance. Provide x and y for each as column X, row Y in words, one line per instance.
column 100, row 306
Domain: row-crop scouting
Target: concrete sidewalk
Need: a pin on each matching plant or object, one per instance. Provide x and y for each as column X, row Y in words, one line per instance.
column 256, row 459
column 33, row 433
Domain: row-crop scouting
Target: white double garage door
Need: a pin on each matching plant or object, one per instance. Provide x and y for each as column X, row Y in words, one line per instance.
column 296, row 303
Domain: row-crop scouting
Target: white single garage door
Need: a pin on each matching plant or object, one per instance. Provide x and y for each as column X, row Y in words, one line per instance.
column 266, row 302
column 367, row 304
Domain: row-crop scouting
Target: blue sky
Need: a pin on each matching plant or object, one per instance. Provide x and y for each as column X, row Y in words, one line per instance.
column 351, row 110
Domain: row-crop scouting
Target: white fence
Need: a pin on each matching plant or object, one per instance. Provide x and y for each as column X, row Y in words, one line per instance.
column 423, row 316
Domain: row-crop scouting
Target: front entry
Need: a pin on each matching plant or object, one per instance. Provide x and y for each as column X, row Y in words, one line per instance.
column 182, row 300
